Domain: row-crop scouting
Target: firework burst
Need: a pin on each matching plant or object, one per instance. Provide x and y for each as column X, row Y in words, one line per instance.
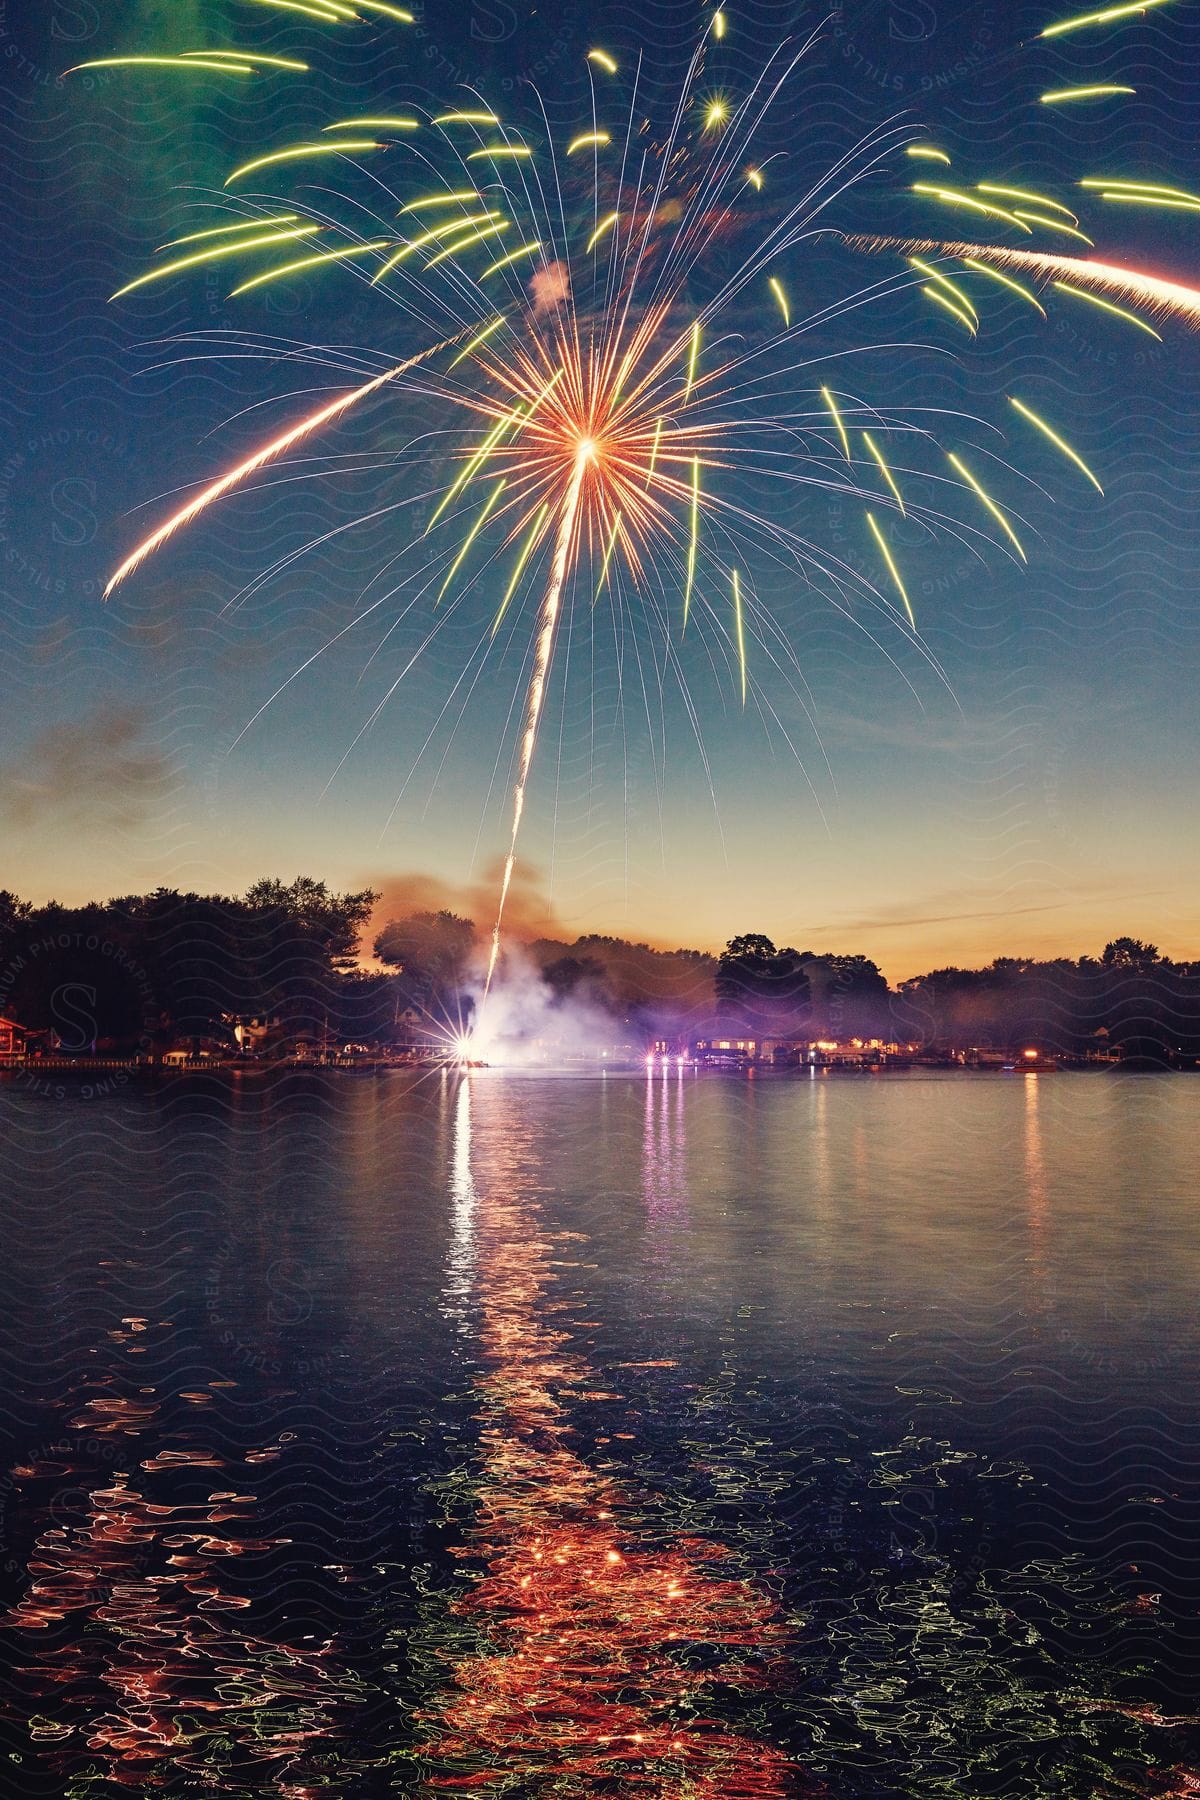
column 614, row 403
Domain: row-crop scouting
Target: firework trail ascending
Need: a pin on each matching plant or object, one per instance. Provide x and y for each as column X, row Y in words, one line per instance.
column 547, row 624
column 620, row 381
column 325, row 415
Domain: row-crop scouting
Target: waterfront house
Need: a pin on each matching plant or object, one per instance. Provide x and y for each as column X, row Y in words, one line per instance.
column 252, row 1035
column 730, row 1052
column 12, row 1039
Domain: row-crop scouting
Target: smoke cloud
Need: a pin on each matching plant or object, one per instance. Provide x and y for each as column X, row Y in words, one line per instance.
column 525, row 1024
column 97, row 769
column 528, row 915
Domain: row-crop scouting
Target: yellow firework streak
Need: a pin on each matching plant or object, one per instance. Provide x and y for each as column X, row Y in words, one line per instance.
column 612, row 544
column 214, row 252
column 716, row 113
column 693, row 355
column 942, row 299
column 836, row 416
column 482, row 338
column 389, row 12
column 223, row 66
column 693, row 541
column 1101, row 18
column 466, row 118
column 519, row 416
column 352, row 147
column 589, row 140
column 718, row 25
column 1138, row 188
column 473, row 464
column 658, row 431
column 1036, row 199
column 374, row 125
column 1007, row 281
column 877, row 453
column 1191, row 204
column 434, row 200
column 927, row 153
column 435, row 234
column 488, row 506
column 527, row 549
column 495, row 152
column 754, row 177
column 603, row 228
column 1054, row 225
column 1120, row 312
column 603, row 60
column 777, row 289
column 893, row 571
column 952, row 197
column 216, row 490
column 248, row 56
column 1001, row 518
column 1057, row 95
column 194, row 237
column 960, row 299
column 325, row 9
column 1060, row 443
column 506, row 262
column 465, row 243
column 739, row 630
column 329, row 14
column 309, row 262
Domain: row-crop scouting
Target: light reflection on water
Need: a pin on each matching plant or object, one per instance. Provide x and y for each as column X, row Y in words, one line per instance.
column 598, row 1651
column 648, row 1436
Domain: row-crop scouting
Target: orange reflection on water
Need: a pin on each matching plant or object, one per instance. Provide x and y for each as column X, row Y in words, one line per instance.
column 131, row 1625
column 601, row 1644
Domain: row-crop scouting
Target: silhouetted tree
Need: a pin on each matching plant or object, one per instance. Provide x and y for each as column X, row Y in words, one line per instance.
column 583, row 976
column 762, row 990
column 434, row 950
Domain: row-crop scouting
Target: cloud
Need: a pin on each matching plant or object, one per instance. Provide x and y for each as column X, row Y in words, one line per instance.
column 96, row 770
column 900, row 917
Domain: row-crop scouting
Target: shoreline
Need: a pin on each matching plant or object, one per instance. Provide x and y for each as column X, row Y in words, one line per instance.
column 46, row 1073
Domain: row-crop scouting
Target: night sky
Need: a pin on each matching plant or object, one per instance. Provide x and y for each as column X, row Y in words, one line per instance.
column 1039, row 800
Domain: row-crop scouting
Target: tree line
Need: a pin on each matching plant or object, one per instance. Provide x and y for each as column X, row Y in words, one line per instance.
column 151, row 971
column 1129, row 1000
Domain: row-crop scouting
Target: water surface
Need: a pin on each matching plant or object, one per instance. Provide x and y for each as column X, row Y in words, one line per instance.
column 630, row 1436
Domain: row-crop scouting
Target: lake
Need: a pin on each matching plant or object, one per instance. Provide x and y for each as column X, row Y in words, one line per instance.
column 669, row 1435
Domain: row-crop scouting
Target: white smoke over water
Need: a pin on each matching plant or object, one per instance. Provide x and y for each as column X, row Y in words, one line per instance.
column 526, row 1024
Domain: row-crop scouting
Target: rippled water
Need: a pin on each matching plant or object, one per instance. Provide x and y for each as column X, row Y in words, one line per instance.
column 670, row 1436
